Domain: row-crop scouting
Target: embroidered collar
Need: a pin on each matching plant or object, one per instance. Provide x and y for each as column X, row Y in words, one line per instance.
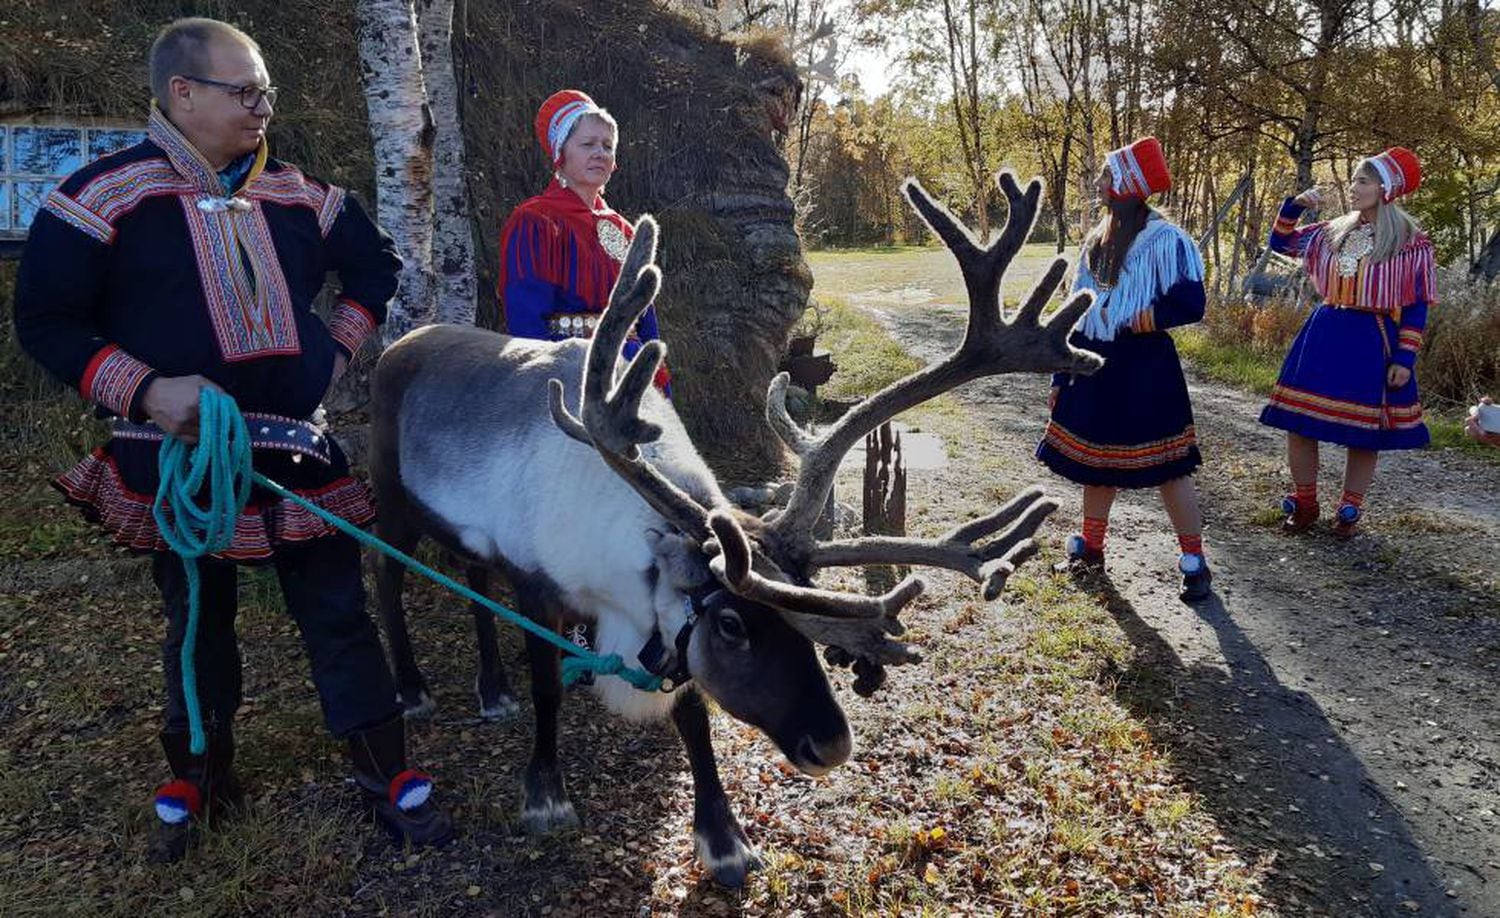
column 191, row 164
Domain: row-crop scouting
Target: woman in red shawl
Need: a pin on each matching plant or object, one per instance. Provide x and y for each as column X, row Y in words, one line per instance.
column 560, row 252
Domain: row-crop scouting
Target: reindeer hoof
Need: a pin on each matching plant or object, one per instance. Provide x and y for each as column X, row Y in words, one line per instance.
column 730, row 859
column 547, row 816
column 498, row 709
column 421, row 708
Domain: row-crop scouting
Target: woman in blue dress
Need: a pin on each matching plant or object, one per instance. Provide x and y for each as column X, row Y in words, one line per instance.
column 1348, row 377
column 1130, row 425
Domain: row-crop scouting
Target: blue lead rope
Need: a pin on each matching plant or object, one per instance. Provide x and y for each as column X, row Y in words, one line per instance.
column 222, row 459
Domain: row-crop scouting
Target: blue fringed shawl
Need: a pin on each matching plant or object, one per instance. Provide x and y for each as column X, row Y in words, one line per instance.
column 1161, row 255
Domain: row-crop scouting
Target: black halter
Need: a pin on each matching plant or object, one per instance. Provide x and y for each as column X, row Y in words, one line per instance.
column 672, row 666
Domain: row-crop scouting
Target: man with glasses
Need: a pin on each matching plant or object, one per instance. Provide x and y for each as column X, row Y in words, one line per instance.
column 192, row 260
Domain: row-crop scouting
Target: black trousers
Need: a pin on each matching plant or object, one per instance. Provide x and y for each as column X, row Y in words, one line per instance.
column 325, row 595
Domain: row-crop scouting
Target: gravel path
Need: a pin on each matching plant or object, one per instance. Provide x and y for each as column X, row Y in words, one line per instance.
column 1334, row 703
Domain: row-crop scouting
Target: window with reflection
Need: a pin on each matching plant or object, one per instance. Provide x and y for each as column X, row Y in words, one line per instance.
column 35, row 157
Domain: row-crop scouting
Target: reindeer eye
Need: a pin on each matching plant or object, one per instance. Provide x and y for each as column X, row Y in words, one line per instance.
column 730, row 626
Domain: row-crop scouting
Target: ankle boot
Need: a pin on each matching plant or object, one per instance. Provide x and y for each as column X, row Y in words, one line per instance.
column 202, row 788
column 179, row 802
column 397, row 795
column 1300, row 515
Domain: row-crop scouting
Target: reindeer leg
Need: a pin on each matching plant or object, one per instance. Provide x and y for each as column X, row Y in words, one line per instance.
column 722, row 845
column 544, row 804
column 496, row 700
column 411, row 688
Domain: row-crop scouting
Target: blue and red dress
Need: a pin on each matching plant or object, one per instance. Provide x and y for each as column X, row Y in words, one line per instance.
column 559, row 259
column 1130, row 424
column 1332, row 386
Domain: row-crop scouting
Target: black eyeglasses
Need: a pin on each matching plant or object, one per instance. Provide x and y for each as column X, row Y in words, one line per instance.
column 250, row 96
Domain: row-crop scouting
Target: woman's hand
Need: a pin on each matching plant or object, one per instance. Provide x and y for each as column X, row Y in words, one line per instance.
column 1472, row 428
column 1397, row 376
column 1052, row 398
column 1312, row 199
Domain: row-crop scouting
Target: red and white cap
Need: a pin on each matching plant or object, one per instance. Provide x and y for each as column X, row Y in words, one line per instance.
column 1400, row 172
column 557, row 117
column 1138, row 170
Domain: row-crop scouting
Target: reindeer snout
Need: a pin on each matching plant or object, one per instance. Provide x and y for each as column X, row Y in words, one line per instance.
column 820, row 756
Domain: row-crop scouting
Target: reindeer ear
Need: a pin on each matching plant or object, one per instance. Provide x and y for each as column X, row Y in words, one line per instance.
column 678, row 559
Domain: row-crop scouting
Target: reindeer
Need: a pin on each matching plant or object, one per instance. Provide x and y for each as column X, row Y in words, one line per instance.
column 610, row 515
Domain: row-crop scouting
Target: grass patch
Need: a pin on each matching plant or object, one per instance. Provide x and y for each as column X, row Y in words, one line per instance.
column 868, row 358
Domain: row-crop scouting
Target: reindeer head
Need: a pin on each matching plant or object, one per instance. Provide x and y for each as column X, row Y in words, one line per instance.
column 751, row 579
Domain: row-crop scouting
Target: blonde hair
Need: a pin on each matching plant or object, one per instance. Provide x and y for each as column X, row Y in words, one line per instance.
column 1394, row 227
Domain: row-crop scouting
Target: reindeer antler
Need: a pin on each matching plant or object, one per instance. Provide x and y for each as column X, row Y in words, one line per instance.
column 611, row 421
column 992, row 344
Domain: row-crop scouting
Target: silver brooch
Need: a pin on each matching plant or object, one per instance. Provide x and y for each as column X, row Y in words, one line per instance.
column 613, row 239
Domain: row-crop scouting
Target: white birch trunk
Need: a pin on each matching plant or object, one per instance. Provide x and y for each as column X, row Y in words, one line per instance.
column 452, row 234
column 402, row 130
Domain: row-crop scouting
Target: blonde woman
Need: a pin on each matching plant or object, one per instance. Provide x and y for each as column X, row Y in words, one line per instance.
column 1348, row 376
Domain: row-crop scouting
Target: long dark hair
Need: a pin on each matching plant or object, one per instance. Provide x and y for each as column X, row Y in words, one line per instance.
column 1114, row 234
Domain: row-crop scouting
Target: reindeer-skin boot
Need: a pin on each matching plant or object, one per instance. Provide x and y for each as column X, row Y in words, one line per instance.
column 1300, row 514
column 202, row 786
column 397, row 795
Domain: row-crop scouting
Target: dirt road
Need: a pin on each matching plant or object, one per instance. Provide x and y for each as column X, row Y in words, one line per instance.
column 1334, row 703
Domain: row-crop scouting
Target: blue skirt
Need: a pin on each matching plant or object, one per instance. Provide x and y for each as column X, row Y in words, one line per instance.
column 1130, row 424
column 1332, row 386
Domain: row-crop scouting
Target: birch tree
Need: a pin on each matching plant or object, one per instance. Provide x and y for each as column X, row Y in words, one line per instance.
column 420, row 196
column 452, row 234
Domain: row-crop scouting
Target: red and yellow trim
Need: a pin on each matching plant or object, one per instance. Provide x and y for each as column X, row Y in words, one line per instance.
column 95, row 485
column 1144, row 321
column 1111, row 456
column 1349, row 414
column 1411, row 339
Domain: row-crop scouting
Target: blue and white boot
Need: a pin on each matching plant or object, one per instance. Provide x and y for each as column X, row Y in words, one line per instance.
column 1196, row 578
column 1080, row 559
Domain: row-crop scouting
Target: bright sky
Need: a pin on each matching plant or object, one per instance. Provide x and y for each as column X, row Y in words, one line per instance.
column 874, row 69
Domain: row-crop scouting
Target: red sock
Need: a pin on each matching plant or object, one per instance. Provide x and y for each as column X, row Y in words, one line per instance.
column 1093, row 532
column 1307, row 494
column 1191, row 544
column 1352, row 498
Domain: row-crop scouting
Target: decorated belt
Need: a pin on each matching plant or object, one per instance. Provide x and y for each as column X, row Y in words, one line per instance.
column 1360, row 307
column 267, row 431
column 573, row 324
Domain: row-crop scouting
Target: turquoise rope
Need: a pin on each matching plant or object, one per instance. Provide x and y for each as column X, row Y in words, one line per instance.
column 223, row 458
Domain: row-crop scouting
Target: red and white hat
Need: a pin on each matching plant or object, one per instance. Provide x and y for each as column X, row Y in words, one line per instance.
column 1400, row 172
column 1138, row 170
column 556, row 118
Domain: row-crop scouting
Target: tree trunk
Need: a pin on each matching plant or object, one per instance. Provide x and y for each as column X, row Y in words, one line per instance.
column 452, row 232
column 402, row 130
column 1487, row 265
